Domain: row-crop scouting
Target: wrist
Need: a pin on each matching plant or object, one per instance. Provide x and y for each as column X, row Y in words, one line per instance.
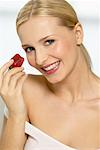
column 17, row 117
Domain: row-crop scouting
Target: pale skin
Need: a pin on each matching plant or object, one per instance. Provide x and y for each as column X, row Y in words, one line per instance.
column 69, row 97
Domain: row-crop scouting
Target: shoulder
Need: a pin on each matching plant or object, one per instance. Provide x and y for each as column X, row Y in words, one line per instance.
column 34, row 82
column 34, row 91
column 34, row 87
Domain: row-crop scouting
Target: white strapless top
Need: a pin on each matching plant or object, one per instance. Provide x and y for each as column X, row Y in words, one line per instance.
column 38, row 140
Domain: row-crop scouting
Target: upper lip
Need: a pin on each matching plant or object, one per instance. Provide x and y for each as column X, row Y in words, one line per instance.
column 50, row 64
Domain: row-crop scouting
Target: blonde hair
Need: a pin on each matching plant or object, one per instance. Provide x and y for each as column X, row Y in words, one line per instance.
column 55, row 8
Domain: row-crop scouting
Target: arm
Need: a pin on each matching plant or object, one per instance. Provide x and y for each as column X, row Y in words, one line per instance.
column 13, row 136
column 11, row 83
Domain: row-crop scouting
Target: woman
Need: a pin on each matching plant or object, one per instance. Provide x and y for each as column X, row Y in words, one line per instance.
column 61, row 104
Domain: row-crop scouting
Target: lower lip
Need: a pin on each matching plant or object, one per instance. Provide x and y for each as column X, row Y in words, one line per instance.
column 52, row 71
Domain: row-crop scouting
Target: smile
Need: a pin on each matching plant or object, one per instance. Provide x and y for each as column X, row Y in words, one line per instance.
column 51, row 68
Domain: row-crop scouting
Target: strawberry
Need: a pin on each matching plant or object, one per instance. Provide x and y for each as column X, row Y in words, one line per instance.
column 18, row 61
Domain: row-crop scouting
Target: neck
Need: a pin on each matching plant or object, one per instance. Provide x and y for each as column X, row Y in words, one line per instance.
column 78, row 85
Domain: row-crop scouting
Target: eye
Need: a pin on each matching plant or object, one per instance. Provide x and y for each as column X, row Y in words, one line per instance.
column 29, row 49
column 49, row 42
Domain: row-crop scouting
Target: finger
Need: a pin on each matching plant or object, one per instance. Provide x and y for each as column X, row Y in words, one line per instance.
column 21, row 82
column 6, row 66
column 3, row 69
column 10, row 74
column 15, row 79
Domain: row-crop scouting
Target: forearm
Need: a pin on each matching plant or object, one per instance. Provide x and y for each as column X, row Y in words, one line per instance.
column 13, row 137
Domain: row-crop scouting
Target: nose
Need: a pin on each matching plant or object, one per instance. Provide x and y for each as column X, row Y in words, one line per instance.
column 41, row 57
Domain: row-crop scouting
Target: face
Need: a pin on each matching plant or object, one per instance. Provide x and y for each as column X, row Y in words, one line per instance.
column 50, row 47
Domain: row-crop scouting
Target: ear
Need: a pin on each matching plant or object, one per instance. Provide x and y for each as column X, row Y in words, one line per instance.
column 78, row 33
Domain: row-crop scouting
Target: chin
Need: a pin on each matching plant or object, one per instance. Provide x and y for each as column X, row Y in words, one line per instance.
column 54, row 79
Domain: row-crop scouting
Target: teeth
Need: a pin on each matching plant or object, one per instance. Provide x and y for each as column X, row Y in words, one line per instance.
column 53, row 66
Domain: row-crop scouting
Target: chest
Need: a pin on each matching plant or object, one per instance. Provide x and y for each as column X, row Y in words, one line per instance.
column 76, row 125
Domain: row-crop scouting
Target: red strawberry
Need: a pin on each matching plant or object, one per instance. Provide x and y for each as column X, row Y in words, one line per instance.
column 18, row 61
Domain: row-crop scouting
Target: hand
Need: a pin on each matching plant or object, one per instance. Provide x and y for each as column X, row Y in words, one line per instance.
column 11, row 83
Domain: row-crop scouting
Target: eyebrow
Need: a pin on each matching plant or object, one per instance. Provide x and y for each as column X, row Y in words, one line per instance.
column 42, row 39
column 25, row 45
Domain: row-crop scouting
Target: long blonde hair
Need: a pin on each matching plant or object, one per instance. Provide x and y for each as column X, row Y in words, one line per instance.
column 55, row 8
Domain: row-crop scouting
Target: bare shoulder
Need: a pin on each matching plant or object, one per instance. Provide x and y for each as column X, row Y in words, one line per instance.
column 34, row 84
column 34, row 79
column 34, row 87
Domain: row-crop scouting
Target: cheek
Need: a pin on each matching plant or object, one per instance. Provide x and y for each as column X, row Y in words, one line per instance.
column 64, row 48
column 67, row 52
column 31, row 60
column 70, row 52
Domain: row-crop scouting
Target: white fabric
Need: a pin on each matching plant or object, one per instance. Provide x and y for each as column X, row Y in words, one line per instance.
column 6, row 112
column 38, row 140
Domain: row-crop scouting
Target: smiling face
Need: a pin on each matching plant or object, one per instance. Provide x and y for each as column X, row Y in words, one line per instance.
column 50, row 47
